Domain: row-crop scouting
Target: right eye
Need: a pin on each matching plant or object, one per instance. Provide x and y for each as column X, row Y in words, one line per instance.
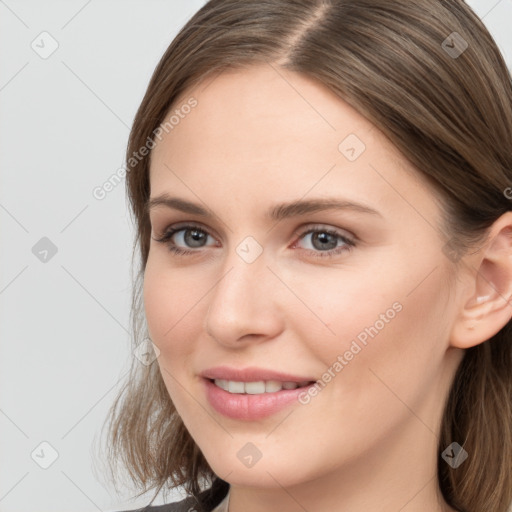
column 190, row 236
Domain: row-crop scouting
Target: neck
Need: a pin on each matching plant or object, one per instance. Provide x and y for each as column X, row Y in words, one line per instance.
column 401, row 476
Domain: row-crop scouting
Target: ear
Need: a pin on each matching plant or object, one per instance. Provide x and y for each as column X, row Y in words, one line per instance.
column 486, row 305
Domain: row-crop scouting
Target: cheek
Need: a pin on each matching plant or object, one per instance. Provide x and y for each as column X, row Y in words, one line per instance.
column 396, row 323
column 399, row 350
column 173, row 311
column 171, row 307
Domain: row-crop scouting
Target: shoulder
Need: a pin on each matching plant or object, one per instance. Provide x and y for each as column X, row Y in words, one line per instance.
column 206, row 501
column 189, row 504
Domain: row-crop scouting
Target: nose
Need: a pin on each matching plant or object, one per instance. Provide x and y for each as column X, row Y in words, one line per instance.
column 244, row 304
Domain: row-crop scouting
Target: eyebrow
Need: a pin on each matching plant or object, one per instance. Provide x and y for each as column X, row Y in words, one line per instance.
column 275, row 213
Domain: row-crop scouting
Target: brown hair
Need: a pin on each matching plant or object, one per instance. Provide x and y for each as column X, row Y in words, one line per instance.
column 450, row 115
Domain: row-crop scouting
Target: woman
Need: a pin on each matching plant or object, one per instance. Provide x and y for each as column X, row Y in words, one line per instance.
column 321, row 192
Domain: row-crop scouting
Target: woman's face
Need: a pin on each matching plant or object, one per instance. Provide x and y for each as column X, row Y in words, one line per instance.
column 353, row 297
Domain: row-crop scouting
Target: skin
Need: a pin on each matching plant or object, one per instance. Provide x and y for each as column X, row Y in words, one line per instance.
column 368, row 440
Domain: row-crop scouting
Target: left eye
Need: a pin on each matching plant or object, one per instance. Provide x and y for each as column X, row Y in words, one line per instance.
column 323, row 242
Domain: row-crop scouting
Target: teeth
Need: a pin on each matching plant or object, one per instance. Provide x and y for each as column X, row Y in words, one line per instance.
column 236, row 387
column 253, row 388
column 271, row 386
column 256, row 388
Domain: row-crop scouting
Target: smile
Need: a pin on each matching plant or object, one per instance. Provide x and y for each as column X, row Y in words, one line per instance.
column 253, row 400
column 257, row 387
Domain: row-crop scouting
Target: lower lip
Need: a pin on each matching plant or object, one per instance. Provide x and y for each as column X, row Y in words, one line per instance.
column 242, row 406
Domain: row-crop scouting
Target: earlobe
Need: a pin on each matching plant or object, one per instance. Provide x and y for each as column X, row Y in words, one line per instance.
column 489, row 306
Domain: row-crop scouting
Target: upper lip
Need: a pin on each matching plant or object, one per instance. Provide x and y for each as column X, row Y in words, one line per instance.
column 251, row 374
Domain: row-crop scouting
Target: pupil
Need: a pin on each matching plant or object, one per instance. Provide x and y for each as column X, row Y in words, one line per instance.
column 196, row 236
column 324, row 238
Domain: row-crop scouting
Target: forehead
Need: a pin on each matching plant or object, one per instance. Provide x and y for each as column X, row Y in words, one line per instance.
column 265, row 130
column 236, row 105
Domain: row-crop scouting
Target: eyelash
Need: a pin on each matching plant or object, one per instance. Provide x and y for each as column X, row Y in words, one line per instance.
column 349, row 243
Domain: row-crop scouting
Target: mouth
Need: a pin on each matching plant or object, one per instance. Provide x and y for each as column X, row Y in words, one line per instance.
column 253, row 400
column 258, row 387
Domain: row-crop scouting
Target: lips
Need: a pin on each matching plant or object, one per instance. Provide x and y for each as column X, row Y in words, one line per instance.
column 253, row 374
column 242, row 393
column 257, row 387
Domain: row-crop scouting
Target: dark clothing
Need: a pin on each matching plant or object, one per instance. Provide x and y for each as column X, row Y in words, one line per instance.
column 205, row 501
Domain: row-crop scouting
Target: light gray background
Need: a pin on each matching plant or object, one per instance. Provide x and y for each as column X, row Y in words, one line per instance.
column 64, row 323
